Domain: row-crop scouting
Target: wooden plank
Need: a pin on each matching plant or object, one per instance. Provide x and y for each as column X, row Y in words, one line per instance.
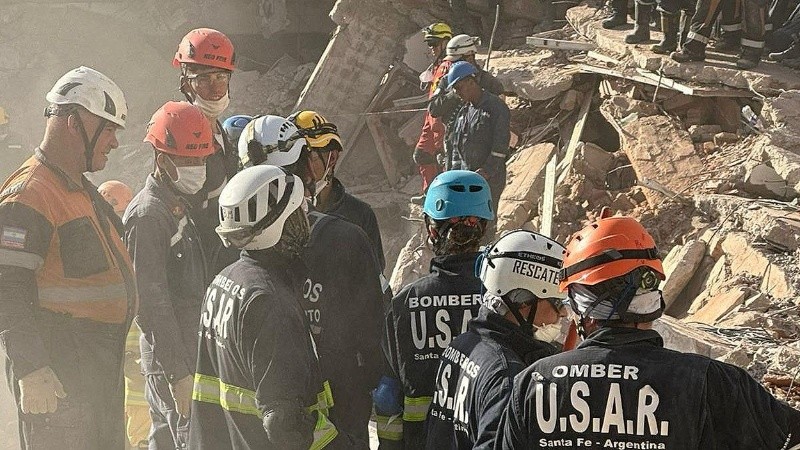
column 383, row 148
column 559, row 44
column 603, row 58
column 575, row 139
column 690, row 90
column 549, row 196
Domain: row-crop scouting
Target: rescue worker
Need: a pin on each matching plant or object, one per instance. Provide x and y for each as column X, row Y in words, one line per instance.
column 206, row 58
column 257, row 382
column 431, row 139
column 670, row 16
column 730, row 26
column 167, row 254
column 137, row 411
column 233, row 127
column 342, row 290
column 481, row 131
column 753, row 31
column 323, row 148
column 519, row 319
column 445, row 103
column 66, row 282
column 621, row 387
column 427, row 314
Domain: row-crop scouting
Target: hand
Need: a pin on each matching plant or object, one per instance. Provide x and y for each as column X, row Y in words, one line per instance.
column 182, row 394
column 40, row 391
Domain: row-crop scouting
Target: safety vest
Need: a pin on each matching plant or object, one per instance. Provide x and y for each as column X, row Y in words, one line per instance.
column 82, row 266
column 210, row 389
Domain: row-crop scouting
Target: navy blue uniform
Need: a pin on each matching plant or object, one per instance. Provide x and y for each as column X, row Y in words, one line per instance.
column 473, row 383
column 622, row 389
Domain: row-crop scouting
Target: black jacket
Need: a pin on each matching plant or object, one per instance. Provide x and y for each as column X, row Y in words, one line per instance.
column 479, row 137
column 359, row 213
column 221, row 166
column 621, row 387
column 474, row 381
column 255, row 352
column 342, row 300
column 170, row 268
column 424, row 318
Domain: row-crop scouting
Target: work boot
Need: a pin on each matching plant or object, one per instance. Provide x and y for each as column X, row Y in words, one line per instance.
column 619, row 15
column 641, row 30
column 793, row 52
column 687, row 54
column 669, row 43
column 727, row 43
column 749, row 58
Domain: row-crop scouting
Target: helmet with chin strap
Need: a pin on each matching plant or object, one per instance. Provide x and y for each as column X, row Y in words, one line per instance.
column 520, row 268
column 96, row 93
column 270, row 140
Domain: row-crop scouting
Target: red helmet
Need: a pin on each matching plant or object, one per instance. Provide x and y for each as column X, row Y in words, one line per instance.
column 608, row 248
column 180, row 128
column 206, row 47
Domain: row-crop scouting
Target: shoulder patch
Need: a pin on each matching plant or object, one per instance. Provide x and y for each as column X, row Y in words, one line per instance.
column 15, row 188
column 13, row 237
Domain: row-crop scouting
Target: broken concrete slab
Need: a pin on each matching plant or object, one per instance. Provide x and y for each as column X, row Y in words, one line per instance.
column 686, row 262
column 785, row 162
column 696, row 286
column 713, row 238
column 526, row 74
column 779, row 227
column 687, row 338
column 524, row 185
column 718, row 306
column 704, row 133
column 593, row 162
column 747, row 260
column 675, row 166
column 763, row 181
column 750, row 319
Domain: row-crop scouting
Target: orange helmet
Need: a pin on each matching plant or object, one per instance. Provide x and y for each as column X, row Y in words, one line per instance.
column 180, row 128
column 608, row 248
column 207, row 47
column 117, row 194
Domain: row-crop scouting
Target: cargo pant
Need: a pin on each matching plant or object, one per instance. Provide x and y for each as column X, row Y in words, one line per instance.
column 753, row 24
column 170, row 430
column 87, row 358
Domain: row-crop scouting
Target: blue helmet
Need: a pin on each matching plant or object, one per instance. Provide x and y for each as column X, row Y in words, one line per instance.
column 458, row 193
column 458, row 71
column 234, row 125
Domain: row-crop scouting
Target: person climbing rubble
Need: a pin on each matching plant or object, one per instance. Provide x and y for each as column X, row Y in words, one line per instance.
column 171, row 268
column 519, row 319
column 481, row 131
column 621, row 387
column 206, row 59
column 431, row 139
column 342, row 291
column 427, row 314
column 324, row 147
column 66, row 282
column 754, row 13
column 257, row 382
column 137, row 411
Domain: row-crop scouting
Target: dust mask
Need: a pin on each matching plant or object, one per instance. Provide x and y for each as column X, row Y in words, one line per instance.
column 212, row 108
column 190, row 178
column 548, row 333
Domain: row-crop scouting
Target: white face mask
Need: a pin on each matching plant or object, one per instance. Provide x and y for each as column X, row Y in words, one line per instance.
column 212, row 108
column 190, row 179
column 548, row 333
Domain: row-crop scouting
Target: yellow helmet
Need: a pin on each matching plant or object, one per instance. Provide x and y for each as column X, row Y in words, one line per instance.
column 438, row 30
column 3, row 116
column 317, row 131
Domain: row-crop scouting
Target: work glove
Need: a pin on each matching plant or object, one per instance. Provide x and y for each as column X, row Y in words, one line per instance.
column 182, row 394
column 422, row 158
column 40, row 391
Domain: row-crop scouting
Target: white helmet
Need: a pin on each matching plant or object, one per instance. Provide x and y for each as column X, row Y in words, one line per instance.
column 522, row 259
column 460, row 46
column 94, row 91
column 255, row 204
column 270, row 140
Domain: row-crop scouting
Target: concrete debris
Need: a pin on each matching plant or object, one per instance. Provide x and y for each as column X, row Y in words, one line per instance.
column 525, row 181
column 680, row 267
column 745, row 259
column 763, row 181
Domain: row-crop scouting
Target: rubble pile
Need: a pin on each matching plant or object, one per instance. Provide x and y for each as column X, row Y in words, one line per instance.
column 703, row 154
